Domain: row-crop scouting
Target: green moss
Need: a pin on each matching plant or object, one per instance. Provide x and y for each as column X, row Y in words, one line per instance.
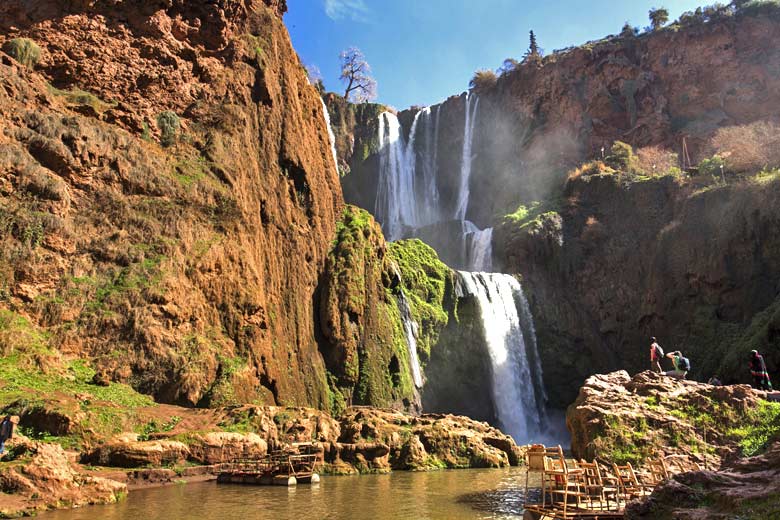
column 77, row 97
column 425, row 280
column 33, row 379
column 23, row 50
column 760, row 427
column 532, row 215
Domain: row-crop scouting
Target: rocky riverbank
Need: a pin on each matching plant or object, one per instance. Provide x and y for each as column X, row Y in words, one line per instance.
column 730, row 432
column 181, row 444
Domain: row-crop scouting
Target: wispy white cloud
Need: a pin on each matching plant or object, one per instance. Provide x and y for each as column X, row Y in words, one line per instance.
column 355, row 10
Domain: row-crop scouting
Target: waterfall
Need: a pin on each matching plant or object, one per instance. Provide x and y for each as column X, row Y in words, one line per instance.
column 410, row 329
column 465, row 164
column 515, row 397
column 396, row 204
column 331, row 136
column 427, row 191
column 479, row 247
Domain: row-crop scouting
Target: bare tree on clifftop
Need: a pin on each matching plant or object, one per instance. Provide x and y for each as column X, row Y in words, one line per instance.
column 356, row 73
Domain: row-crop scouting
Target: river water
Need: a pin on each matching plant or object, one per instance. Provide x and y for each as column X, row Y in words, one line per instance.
column 453, row 494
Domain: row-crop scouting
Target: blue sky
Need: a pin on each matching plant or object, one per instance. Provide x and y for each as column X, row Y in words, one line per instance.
column 423, row 51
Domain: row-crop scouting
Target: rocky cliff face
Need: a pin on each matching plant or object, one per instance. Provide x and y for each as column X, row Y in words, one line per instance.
column 168, row 195
column 729, row 431
column 538, row 120
column 616, row 263
column 609, row 262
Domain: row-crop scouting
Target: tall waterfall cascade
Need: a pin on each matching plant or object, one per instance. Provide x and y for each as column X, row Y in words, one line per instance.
column 513, row 353
column 466, row 158
column 409, row 204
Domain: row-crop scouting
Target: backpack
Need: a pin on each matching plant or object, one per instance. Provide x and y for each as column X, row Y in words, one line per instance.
column 659, row 352
column 684, row 364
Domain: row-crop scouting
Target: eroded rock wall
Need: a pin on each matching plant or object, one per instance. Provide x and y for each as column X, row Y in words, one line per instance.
column 168, row 195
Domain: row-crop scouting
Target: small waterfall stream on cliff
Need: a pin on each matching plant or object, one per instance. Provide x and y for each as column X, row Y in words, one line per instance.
column 519, row 409
column 410, row 329
column 331, row 135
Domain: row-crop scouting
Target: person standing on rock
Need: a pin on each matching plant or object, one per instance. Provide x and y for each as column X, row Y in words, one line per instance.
column 6, row 431
column 758, row 371
column 681, row 365
column 656, row 354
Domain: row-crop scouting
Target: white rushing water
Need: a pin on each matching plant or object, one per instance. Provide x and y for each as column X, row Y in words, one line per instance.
column 331, row 136
column 478, row 245
column 396, row 205
column 410, row 329
column 462, row 203
column 426, row 189
column 514, row 393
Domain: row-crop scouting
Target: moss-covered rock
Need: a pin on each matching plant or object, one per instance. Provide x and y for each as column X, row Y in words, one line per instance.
column 427, row 284
column 364, row 345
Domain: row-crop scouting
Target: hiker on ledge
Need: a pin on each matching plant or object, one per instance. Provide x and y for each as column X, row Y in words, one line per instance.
column 681, row 365
column 656, row 353
column 758, row 371
column 7, row 430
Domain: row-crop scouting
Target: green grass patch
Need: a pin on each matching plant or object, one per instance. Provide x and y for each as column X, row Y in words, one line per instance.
column 77, row 97
column 761, row 426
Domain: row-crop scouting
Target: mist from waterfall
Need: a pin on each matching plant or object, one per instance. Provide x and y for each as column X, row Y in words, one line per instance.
column 519, row 406
column 331, row 135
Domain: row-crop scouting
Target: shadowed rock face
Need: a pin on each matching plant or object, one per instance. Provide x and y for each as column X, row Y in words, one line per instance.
column 615, row 264
column 189, row 270
column 748, row 488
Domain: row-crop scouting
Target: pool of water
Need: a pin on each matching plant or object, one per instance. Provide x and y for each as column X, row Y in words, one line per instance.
column 496, row 493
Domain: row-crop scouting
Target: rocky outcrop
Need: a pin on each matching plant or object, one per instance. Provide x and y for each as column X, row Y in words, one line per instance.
column 41, row 476
column 617, row 262
column 624, row 419
column 364, row 347
column 168, row 196
column 746, row 489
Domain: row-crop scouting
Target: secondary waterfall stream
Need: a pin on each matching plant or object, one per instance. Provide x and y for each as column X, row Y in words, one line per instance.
column 409, row 204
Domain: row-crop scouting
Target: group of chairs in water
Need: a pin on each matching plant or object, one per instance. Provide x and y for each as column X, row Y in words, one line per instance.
column 580, row 489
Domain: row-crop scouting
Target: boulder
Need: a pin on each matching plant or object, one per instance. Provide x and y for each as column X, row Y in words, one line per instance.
column 139, row 454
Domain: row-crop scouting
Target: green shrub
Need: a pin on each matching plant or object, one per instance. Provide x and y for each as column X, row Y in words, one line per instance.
column 168, row 123
column 621, row 157
column 483, row 80
column 712, row 166
column 23, row 50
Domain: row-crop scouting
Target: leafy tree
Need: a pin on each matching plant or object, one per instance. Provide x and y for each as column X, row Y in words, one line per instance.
column 629, row 31
column 658, row 17
column 356, row 73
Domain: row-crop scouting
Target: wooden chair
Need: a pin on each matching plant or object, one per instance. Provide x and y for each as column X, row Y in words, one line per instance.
column 597, row 493
column 534, row 461
column 564, row 484
column 629, row 486
column 658, row 471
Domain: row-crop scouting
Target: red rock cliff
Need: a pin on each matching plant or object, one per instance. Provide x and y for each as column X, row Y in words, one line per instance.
column 187, row 269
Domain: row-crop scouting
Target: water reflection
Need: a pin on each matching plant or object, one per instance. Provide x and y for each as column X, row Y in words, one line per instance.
column 483, row 494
